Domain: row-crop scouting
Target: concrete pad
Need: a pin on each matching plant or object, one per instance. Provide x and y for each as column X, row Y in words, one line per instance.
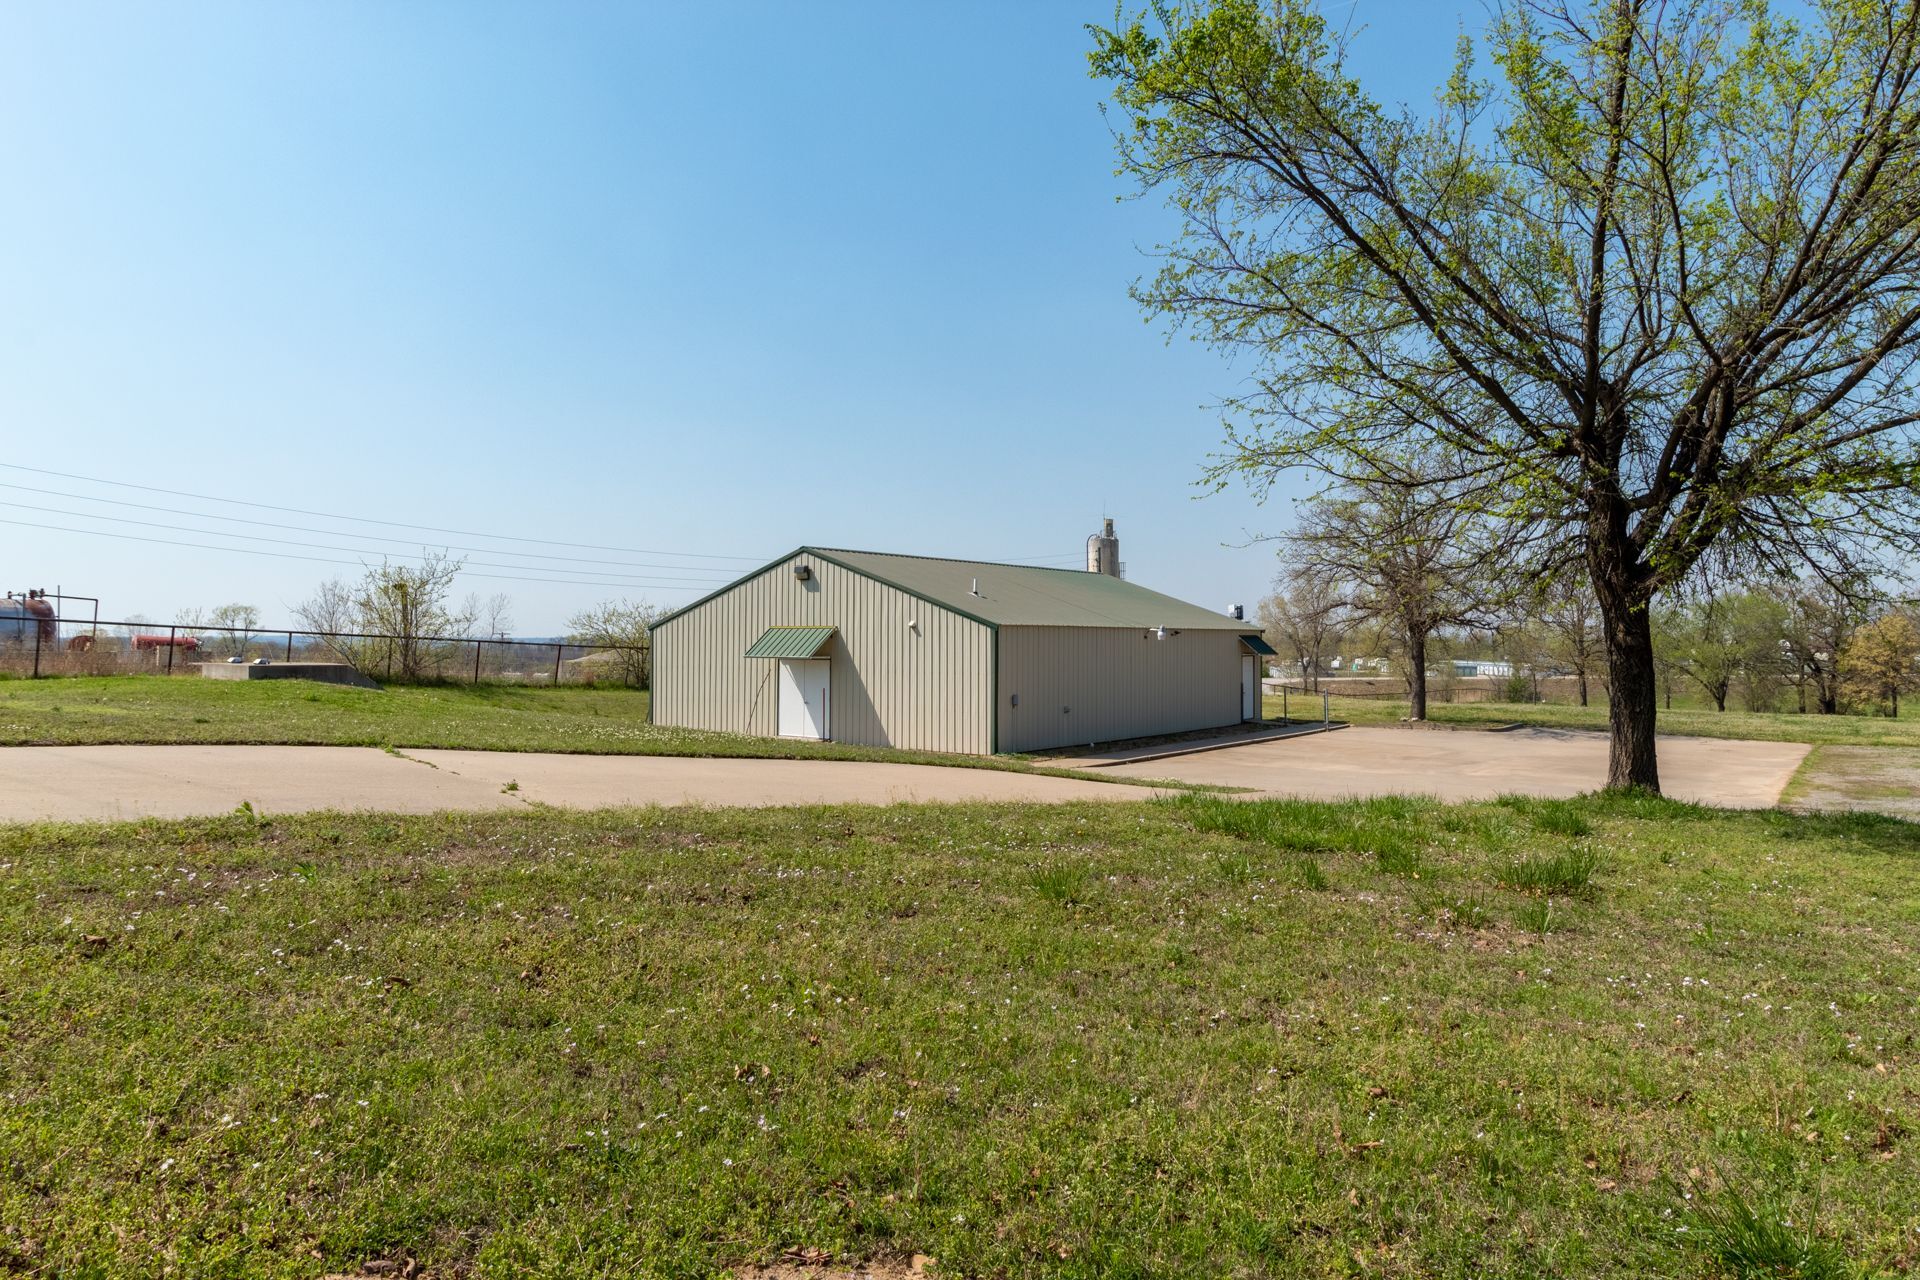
column 592, row 781
column 109, row 783
column 106, row 783
column 1477, row 765
column 1865, row 779
column 1188, row 744
column 115, row 782
column 325, row 672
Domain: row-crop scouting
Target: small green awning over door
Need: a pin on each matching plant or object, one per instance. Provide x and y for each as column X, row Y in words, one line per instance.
column 791, row 642
column 1258, row 645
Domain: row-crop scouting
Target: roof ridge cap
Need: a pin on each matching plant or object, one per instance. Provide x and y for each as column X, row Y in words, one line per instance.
column 997, row 564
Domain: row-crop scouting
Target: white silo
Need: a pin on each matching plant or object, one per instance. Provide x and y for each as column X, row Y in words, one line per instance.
column 1103, row 551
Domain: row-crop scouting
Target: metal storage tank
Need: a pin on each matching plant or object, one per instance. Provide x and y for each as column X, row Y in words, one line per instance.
column 1103, row 551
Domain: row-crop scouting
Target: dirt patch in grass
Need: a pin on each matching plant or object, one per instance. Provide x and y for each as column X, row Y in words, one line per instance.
column 1870, row 779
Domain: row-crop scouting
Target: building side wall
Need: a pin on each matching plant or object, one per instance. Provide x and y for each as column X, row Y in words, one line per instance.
column 1099, row 684
column 928, row 688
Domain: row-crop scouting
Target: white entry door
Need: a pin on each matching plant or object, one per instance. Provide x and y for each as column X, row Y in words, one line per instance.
column 803, row 697
column 1249, row 688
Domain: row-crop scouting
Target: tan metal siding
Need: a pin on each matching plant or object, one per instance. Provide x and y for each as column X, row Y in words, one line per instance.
column 928, row 689
column 1116, row 683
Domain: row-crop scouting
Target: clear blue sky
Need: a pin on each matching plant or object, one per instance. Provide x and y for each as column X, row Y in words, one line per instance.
column 715, row 278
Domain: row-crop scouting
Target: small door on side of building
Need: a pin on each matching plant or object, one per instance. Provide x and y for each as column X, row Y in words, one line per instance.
column 804, row 687
column 1249, row 687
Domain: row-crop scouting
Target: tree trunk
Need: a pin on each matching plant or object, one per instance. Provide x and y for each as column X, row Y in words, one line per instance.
column 1583, row 686
column 1632, row 690
column 1720, row 698
column 1417, row 675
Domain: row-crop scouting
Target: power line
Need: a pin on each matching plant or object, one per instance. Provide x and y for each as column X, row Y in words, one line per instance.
column 301, row 528
column 392, row 524
column 325, row 546
column 284, row 555
column 712, row 575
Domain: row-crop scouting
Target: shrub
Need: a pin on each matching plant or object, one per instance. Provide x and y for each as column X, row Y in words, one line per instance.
column 626, row 625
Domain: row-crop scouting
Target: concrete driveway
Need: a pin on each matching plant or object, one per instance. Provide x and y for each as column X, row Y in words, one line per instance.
column 108, row 783
column 1477, row 765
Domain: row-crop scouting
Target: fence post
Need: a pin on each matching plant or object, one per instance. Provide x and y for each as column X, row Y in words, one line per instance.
column 1284, row 718
column 1326, row 709
column 557, row 649
column 36, row 647
column 476, row 660
column 173, row 634
column 289, row 657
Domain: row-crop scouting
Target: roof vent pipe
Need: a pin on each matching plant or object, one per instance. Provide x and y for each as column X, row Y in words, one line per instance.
column 1103, row 551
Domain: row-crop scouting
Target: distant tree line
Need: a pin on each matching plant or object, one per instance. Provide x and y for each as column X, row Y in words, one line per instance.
column 1349, row 591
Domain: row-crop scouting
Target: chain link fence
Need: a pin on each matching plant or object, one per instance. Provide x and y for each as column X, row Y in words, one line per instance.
column 47, row 647
column 1446, row 688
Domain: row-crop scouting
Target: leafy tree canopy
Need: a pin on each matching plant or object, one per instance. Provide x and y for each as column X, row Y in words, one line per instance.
column 1653, row 280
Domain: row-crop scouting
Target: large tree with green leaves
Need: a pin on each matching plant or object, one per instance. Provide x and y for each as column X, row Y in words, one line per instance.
column 1882, row 660
column 1655, row 280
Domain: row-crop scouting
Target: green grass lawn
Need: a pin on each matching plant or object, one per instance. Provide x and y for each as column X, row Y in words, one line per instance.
column 1702, row 722
column 1183, row 1038
column 594, row 721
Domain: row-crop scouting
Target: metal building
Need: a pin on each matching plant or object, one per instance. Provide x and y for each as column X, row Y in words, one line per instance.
column 950, row 655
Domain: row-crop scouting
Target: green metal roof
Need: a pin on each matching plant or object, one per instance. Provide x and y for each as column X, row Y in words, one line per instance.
column 1023, row 596
column 1014, row 595
column 1258, row 645
column 790, row 642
